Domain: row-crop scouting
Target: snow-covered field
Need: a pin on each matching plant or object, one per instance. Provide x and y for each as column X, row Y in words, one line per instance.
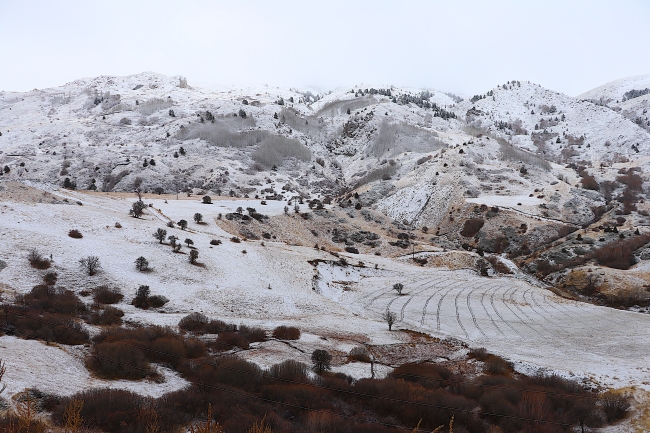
column 506, row 315
column 272, row 284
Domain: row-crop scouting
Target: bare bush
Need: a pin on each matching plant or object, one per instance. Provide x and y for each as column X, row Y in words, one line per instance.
column 90, row 264
column 107, row 295
column 36, row 260
column 76, row 234
column 283, row 332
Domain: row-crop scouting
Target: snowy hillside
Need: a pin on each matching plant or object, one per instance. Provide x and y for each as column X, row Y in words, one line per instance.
column 504, row 217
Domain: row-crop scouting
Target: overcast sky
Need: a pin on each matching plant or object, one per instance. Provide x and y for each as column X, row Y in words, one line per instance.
column 461, row 46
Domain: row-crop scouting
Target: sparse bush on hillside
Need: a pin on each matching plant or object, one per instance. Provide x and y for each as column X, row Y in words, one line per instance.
column 36, row 260
column 107, row 295
column 398, row 287
column 472, row 227
column 76, row 234
column 90, row 264
column 50, row 278
column 105, row 316
column 160, row 234
column 508, row 151
column 194, row 255
column 390, row 318
column 283, row 332
column 141, row 264
column 137, row 209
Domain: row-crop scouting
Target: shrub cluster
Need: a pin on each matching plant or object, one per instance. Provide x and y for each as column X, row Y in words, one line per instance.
column 36, row 260
column 107, row 295
column 120, row 353
column 240, row 391
column 76, row 234
column 283, row 332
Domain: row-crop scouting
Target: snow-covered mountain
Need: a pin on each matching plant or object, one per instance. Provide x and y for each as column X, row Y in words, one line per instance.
column 323, row 201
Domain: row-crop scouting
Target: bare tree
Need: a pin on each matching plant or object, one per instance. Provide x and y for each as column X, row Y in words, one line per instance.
column 141, row 264
column 137, row 209
column 398, row 287
column 90, row 264
column 160, row 234
column 390, row 318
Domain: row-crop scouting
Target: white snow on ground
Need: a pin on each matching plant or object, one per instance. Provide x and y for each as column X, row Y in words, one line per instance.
column 508, row 316
column 506, row 201
column 58, row 370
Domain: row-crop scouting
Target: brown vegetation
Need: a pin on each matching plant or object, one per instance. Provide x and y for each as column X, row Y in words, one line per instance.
column 472, row 227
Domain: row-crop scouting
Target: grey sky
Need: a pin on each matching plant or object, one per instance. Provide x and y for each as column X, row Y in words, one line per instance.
column 461, row 46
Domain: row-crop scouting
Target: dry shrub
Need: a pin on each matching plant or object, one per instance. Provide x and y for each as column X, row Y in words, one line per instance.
column 496, row 365
column 589, row 182
column 36, row 260
column 141, row 345
column 105, row 315
column 283, row 332
column 230, row 340
column 118, row 361
column 498, row 265
column 50, row 278
column 620, row 254
column 428, row 375
column 615, row 406
column 107, row 295
column 359, row 354
column 253, row 334
column 53, row 300
column 35, row 324
column 111, row 410
column 200, row 324
column 76, row 234
column 472, row 227
column 193, row 322
column 480, row 353
column 290, row 370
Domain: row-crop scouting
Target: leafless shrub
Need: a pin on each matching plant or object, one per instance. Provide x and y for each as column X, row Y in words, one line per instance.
column 283, row 332
column 36, row 260
column 76, row 234
column 107, row 295
column 359, row 354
